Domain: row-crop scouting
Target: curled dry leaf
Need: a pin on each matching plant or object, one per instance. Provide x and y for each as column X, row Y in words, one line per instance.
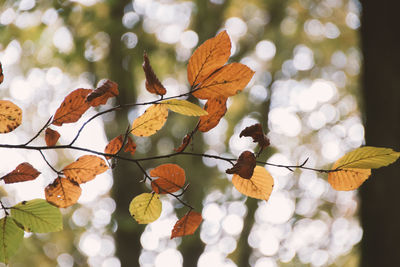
column 245, row 165
column 146, row 207
column 256, row 132
column 23, row 172
column 171, row 178
column 152, row 120
column 73, row 107
column 10, row 116
column 85, row 169
column 106, row 90
column 130, row 146
column 153, row 84
column 208, row 57
column 185, row 142
column 51, row 137
column 114, row 145
column 259, row 186
column 63, row 192
column 187, row 225
column 216, row 108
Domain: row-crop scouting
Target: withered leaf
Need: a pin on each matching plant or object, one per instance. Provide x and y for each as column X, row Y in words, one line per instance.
column 130, row 146
column 106, row 90
column 185, row 142
column 114, row 145
column 63, row 192
column 216, row 108
column 10, row 116
column 51, row 137
column 244, row 166
column 73, row 107
column 85, row 168
column 153, row 84
column 171, row 178
column 256, row 132
column 187, row 225
column 23, row 172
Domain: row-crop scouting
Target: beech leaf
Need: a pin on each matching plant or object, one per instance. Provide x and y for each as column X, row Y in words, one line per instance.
column 348, row 178
column 152, row 120
column 23, row 172
column 171, row 178
column 245, row 165
column 63, row 192
column 114, row 145
column 11, row 237
column 184, row 107
column 106, row 90
column 185, row 142
column 216, row 108
column 146, row 207
column 130, row 146
column 187, row 225
column 51, row 137
column 153, row 84
column 85, row 168
column 10, row 116
column 259, row 186
column 256, row 132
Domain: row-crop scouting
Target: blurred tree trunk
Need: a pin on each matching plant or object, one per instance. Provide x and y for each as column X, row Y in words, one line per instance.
column 381, row 88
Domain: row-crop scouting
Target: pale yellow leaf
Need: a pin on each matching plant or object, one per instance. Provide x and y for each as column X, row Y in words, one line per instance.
column 184, row 107
column 146, row 208
column 259, row 186
column 152, row 120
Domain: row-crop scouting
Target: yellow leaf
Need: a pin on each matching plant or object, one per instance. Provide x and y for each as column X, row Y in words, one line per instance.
column 348, row 179
column 259, row 186
column 184, row 107
column 368, row 157
column 152, row 120
column 146, row 208
column 10, row 116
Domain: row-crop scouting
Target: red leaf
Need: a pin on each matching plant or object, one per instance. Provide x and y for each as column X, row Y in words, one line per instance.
column 153, row 84
column 51, row 137
column 106, row 90
column 187, row 225
column 245, row 165
column 73, row 107
column 256, row 132
column 171, row 178
column 23, row 172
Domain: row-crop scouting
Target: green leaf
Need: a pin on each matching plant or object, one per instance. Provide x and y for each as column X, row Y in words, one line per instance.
column 146, row 208
column 37, row 216
column 11, row 237
column 184, row 107
column 368, row 157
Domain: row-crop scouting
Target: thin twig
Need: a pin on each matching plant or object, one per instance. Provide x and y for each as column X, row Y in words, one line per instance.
column 48, row 163
column 39, row 132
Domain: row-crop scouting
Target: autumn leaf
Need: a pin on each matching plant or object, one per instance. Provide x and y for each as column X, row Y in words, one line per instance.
column 106, row 90
column 348, row 178
column 244, row 166
column 63, row 192
column 23, row 172
column 130, row 146
column 226, row 81
column 73, row 107
column 114, row 145
column 146, row 207
column 152, row 120
column 153, row 85
column 216, row 108
column 187, row 225
column 184, row 107
column 171, row 178
column 185, row 142
column 85, row 169
column 51, row 137
column 256, row 132
column 259, row 186
column 208, row 57
column 10, row 116
column 1, row 73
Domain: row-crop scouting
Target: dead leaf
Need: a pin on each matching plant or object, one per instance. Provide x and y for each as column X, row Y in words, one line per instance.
column 171, row 178
column 106, row 90
column 187, row 225
column 62, row 192
column 185, row 142
column 256, row 132
column 244, row 166
column 153, row 84
column 114, row 145
column 10, row 116
column 130, row 146
column 73, row 107
column 85, row 169
column 51, row 137
column 23, row 172
column 216, row 108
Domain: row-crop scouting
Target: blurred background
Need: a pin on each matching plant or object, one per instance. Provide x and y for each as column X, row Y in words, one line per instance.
column 306, row 92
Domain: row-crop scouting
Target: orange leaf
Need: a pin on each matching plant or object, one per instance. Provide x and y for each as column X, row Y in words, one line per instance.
column 23, row 172
column 348, row 179
column 226, row 81
column 187, row 225
column 244, row 166
column 10, row 116
column 153, row 84
column 208, row 57
column 1, row 73
column 114, row 145
column 51, row 137
column 171, row 178
column 185, row 142
column 106, row 90
column 130, row 146
column 72, row 108
column 259, row 186
column 85, row 169
column 256, row 132
column 63, row 192
column 216, row 108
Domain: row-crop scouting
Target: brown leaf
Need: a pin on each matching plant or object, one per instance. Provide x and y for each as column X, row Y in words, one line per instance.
column 85, row 169
column 153, row 85
column 226, row 81
column 208, row 57
column 106, row 90
column 51, row 137
column 63, row 192
column 10, row 116
column 130, row 146
column 1, row 73
column 114, row 145
column 171, row 178
column 244, row 166
column 216, row 108
column 185, row 142
column 187, row 225
column 23, row 172
column 73, row 107
column 256, row 132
